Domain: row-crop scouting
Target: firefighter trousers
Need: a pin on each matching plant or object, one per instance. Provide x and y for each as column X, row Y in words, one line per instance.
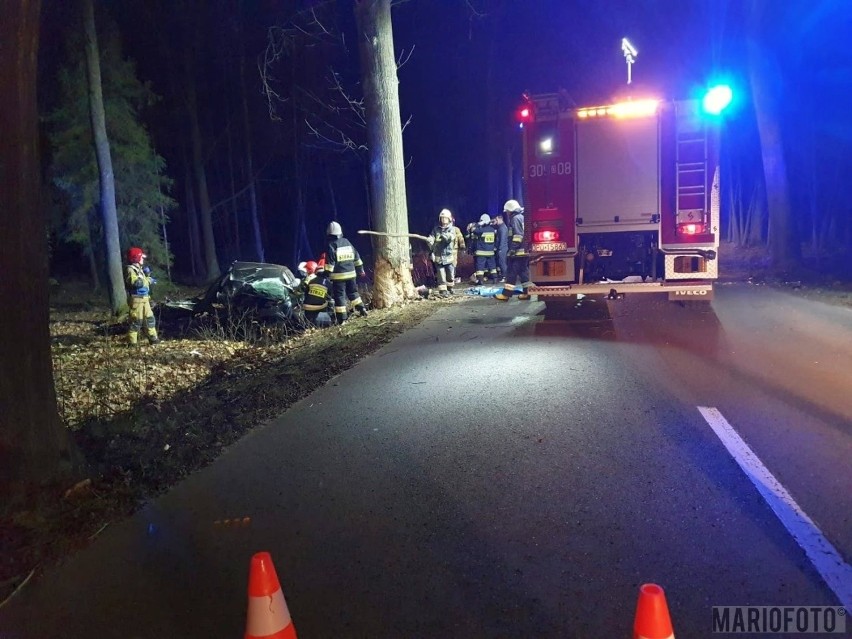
column 341, row 290
column 518, row 269
column 486, row 265
column 446, row 276
column 141, row 313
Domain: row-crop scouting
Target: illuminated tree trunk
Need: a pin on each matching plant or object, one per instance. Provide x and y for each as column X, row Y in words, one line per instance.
column 34, row 446
column 109, row 212
column 392, row 276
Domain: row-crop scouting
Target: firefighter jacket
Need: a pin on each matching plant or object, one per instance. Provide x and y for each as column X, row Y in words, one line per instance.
column 316, row 289
column 517, row 242
column 442, row 239
column 484, row 238
column 138, row 283
column 458, row 243
column 342, row 261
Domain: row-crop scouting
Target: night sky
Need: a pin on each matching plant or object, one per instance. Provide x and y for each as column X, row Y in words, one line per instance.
column 470, row 62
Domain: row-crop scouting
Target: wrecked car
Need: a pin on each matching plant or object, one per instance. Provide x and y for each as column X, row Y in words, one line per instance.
column 248, row 294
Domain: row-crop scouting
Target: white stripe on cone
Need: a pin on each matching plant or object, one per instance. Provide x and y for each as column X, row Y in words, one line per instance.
column 267, row 615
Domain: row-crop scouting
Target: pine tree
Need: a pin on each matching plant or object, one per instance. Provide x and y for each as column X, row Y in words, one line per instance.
column 141, row 183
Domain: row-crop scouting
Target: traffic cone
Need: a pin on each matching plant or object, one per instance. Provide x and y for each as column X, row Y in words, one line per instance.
column 652, row 614
column 268, row 616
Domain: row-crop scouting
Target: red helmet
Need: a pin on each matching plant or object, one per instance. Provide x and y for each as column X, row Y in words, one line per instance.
column 311, row 267
column 135, row 255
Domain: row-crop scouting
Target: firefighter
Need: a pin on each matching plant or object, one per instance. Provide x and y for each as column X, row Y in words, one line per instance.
column 458, row 243
column 343, row 265
column 317, row 289
column 442, row 241
column 484, row 236
column 501, row 247
column 307, row 271
column 518, row 259
column 301, row 270
column 138, row 279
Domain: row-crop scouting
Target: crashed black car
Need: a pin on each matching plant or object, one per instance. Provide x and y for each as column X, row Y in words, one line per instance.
column 249, row 293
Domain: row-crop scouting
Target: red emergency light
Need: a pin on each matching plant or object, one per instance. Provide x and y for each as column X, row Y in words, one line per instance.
column 691, row 229
column 546, row 236
column 524, row 114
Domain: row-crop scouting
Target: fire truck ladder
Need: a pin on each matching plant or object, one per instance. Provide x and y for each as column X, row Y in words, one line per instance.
column 691, row 175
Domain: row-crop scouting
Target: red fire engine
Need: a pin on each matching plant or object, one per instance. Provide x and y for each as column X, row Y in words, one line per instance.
column 622, row 197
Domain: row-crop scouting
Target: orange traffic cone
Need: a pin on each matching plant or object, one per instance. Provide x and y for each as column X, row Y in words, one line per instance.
column 652, row 614
column 268, row 616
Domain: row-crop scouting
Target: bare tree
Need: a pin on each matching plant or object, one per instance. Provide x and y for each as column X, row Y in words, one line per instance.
column 34, row 445
column 211, row 259
column 109, row 212
column 784, row 242
column 253, row 208
column 392, row 275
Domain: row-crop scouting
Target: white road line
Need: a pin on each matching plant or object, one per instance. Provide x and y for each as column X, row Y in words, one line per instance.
column 825, row 558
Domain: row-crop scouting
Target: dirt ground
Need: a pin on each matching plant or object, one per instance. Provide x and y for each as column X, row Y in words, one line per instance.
column 146, row 417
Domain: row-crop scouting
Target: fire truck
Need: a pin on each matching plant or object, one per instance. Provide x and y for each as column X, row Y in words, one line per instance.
column 622, row 197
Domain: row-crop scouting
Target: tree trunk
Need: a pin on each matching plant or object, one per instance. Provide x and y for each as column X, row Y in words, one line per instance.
column 211, row 260
column 193, row 230
column 34, row 445
column 784, row 242
column 90, row 253
column 234, row 204
column 392, row 276
column 109, row 213
column 255, row 217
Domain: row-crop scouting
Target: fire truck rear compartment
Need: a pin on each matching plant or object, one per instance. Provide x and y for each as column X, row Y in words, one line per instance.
column 616, row 256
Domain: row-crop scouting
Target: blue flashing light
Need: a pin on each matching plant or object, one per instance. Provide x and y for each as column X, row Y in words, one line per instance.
column 717, row 99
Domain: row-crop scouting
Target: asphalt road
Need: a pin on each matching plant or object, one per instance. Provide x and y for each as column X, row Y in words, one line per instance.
column 504, row 470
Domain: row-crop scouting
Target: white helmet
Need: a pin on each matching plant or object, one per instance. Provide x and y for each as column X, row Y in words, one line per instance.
column 512, row 206
column 334, row 229
column 302, row 268
column 484, row 219
column 445, row 215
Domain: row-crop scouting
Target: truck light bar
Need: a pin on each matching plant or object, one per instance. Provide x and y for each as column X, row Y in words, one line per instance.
column 637, row 109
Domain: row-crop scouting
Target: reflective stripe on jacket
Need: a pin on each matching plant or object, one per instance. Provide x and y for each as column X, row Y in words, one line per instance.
column 485, row 237
column 316, row 294
column 342, row 261
column 517, row 245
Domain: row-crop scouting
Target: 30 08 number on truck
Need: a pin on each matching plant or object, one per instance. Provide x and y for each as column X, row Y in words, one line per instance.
column 542, row 170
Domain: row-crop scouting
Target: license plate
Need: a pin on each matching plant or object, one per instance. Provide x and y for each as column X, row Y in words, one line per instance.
column 550, row 247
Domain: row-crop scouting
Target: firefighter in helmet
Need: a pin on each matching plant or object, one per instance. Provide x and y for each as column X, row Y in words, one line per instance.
column 316, row 289
column 138, row 279
column 343, row 264
column 518, row 258
column 442, row 241
column 484, row 236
